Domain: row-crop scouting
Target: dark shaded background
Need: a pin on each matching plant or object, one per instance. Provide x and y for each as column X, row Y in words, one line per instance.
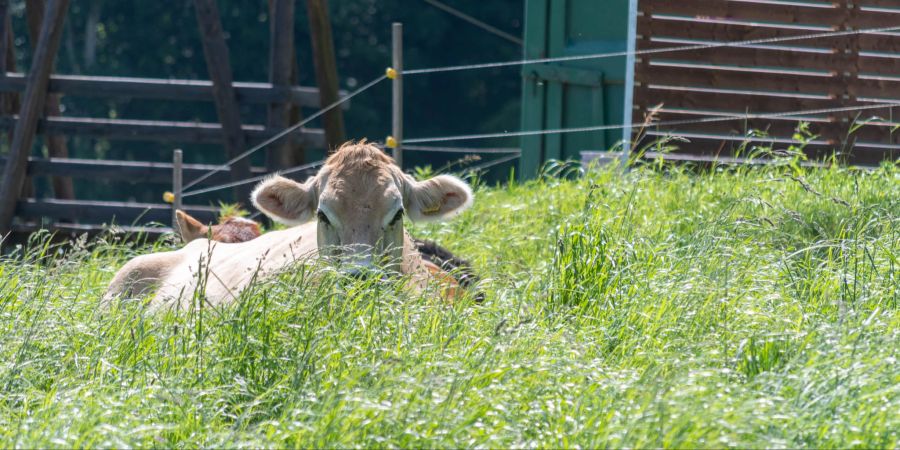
column 161, row 40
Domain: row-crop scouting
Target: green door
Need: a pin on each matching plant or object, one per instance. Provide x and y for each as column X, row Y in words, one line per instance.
column 571, row 94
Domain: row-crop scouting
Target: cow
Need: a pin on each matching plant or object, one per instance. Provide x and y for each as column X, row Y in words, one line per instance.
column 452, row 271
column 350, row 213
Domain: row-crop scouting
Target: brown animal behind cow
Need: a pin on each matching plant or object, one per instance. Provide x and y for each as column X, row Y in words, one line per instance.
column 230, row 229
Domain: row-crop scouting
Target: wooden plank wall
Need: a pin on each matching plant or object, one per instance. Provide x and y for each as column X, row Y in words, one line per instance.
column 821, row 73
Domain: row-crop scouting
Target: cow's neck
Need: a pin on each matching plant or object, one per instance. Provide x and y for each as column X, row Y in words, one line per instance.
column 413, row 265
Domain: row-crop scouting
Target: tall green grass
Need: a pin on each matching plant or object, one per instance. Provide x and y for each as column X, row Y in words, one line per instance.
column 653, row 308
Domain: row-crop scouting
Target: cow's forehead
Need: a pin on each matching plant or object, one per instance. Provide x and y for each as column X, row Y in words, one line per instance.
column 355, row 192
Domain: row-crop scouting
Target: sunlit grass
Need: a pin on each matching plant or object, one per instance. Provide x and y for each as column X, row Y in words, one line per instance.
column 654, row 308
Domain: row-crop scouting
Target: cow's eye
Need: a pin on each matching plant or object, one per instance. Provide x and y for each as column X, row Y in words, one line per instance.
column 397, row 218
column 323, row 218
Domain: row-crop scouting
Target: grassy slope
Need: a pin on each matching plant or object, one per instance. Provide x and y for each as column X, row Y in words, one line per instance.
column 647, row 309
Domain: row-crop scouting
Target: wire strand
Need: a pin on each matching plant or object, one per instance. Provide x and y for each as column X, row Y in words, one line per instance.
column 493, row 163
column 744, row 43
column 513, row 153
column 710, row 119
column 252, row 180
column 484, row 26
column 484, row 151
column 285, row 132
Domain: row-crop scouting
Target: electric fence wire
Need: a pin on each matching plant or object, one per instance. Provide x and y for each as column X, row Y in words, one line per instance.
column 724, row 117
column 284, row 133
column 253, row 180
column 483, row 151
column 718, row 118
column 651, row 51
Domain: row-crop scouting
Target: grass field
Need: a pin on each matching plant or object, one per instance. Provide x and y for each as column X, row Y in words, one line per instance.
column 654, row 308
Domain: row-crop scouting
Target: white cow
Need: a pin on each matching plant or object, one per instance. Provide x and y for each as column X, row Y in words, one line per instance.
column 359, row 199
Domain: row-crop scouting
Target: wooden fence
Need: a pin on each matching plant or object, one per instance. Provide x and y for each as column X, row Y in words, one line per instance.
column 801, row 75
column 30, row 105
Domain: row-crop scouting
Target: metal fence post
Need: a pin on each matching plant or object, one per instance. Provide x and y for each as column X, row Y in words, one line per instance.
column 397, row 113
column 176, row 186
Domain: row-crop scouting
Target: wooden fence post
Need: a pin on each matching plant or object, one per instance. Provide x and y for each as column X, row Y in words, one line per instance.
column 281, row 60
column 5, row 44
column 397, row 111
column 32, row 105
column 326, row 70
column 56, row 144
column 177, row 158
column 219, row 67
column 9, row 102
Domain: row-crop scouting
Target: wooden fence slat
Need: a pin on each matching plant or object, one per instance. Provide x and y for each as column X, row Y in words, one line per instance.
column 218, row 65
column 869, row 65
column 709, row 144
column 125, row 213
column 731, row 77
column 66, row 231
column 736, row 101
column 749, row 10
column 874, row 19
column 134, row 171
column 742, row 127
column 131, row 171
column 862, row 153
column 889, row 4
column 880, row 43
column 166, row 89
column 157, row 130
column 35, row 96
column 773, row 56
column 686, row 28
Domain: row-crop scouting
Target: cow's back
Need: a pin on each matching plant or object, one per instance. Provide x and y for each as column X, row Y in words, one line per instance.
column 226, row 269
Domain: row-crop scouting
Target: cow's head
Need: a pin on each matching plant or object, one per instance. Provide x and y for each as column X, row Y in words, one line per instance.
column 359, row 198
column 231, row 229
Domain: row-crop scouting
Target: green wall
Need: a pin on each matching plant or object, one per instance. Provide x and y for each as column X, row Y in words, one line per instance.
column 579, row 93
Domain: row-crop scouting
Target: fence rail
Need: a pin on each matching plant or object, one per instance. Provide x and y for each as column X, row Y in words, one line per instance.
column 118, row 170
column 108, row 211
column 165, row 89
column 157, row 130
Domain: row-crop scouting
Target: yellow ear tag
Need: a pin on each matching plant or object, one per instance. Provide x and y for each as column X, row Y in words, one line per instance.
column 390, row 73
column 168, row 197
column 390, row 142
column 431, row 210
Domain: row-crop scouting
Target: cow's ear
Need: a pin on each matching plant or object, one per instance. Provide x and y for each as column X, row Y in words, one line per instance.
column 439, row 198
column 189, row 228
column 286, row 201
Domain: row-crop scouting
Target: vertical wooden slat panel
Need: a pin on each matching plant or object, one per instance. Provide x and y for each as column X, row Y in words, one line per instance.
column 700, row 83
